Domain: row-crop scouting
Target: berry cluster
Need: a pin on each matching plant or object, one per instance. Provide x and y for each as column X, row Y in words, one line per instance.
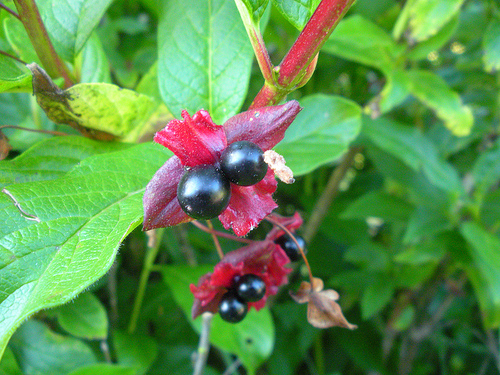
column 233, row 306
column 290, row 246
column 204, row 191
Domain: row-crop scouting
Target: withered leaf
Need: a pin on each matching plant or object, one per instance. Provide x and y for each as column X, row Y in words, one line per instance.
column 322, row 309
column 5, row 147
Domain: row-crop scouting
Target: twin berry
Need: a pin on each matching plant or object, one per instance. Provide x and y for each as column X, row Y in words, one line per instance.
column 204, row 191
column 233, row 306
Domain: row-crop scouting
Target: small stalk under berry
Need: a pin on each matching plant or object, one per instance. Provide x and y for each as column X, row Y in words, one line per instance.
column 302, row 253
column 215, row 239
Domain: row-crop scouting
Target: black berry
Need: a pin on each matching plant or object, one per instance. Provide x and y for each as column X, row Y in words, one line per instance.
column 243, row 163
column 231, row 308
column 250, row 288
column 290, row 246
column 203, row 192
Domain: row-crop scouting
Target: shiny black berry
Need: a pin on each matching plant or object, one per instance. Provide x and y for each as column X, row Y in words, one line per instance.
column 290, row 246
column 250, row 288
column 203, row 192
column 231, row 308
column 243, row 163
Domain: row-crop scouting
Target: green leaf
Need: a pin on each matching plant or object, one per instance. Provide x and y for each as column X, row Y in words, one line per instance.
column 433, row 91
column 70, row 22
column 378, row 204
column 204, row 57
column 360, row 40
column 135, row 351
column 491, row 45
column 415, row 150
column 486, row 171
column 484, row 250
column 297, row 12
column 490, row 210
column 377, row 295
column 256, row 8
column 93, row 62
column 41, row 351
column 13, row 75
column 427, row 17
column 103, row 369
column 252, row 339
column 422, row 49
column 8, row 364
column 431, row 251
column 395, row 92
column 368, row 255
column 96, row 106
column 19, row 40
column 321, row 132
column 85, row 317
column 52, row 158
column 48, row 251
column 426, row 222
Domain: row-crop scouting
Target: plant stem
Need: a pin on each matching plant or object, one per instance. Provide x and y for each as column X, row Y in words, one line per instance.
column 311, row 39
column 153, row 247
column 10, row 11
column 53, row 132
column 298, row 64
column 53, row 64
column 204, row 344
column 199, row 225
column 215, row 239
column 12, row 57
column 325, row 200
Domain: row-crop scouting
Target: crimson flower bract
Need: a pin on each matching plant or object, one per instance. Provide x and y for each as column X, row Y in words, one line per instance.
column 196, row 141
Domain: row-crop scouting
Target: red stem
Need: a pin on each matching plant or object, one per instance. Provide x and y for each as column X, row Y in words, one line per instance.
column 311, row 39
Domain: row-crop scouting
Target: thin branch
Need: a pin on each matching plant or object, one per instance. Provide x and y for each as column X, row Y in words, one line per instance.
column 32, row 21
column 154, row 241
column 204, row 344
column 199, row 225
column 290, row 234
column 53, row 132
column 325, row 200
column 232, row 367
column 215, row 239
column 3, row 6
column 12, row 57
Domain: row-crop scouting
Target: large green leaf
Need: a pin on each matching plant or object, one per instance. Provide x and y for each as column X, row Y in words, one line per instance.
column 433, row 91
column 134, row 350
column 42, row 351
column 13, row 76
column 85, row 317
column 19, row 40
column 61, row 235
column 70, row 22
column 91, row 107
column 321, row 132
column 204, row 57
column 491, row 45
column 360, row 40
column 8, row 364
column 377, row 294
column 425, row 222
column 395, row 92
column 252, row 339
column 256, row 8
column 52, row 158
column 427, row 17
column 483, row 272
column 93, row 62
column 297, row 12
column 415, row 150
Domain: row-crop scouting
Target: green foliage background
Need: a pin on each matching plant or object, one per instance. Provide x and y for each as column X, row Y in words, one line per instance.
column 409, row 91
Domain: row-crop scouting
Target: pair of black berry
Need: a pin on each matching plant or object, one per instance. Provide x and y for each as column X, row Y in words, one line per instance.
column 233, row 306
column 204, row 190
column 290, row 247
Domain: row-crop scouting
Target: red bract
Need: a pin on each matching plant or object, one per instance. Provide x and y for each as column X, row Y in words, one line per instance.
column 263, row 258
column 196, row 141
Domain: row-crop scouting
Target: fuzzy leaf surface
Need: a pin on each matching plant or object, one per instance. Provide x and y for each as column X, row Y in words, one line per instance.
column 321, row 132
column 204, row 57
column 62, row 235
